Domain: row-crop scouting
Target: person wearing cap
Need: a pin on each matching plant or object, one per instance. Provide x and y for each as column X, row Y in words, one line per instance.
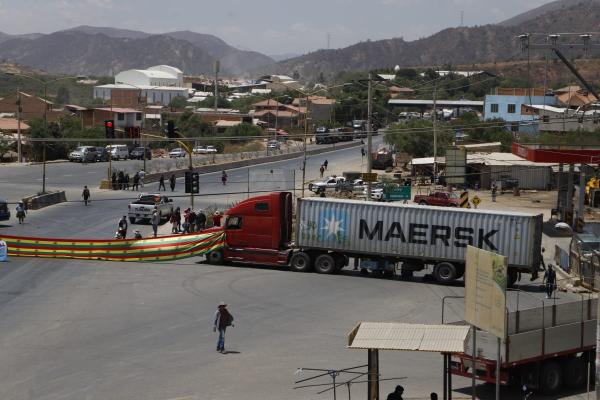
column 223, row 319
column 21, row 212
column 217, row 218
column 396, row 394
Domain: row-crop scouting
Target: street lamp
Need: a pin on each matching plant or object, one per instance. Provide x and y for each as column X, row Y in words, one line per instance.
column 45, row 85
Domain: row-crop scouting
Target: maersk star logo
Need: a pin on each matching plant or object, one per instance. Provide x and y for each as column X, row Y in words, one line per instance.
column 332, row 226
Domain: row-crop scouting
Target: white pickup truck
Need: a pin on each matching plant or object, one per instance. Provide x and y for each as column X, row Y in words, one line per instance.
column 142, row 208
column 329, row 183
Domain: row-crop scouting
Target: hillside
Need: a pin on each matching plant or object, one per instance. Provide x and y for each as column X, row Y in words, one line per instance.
column 465, row 45
column 106, row 51
column 539, row 11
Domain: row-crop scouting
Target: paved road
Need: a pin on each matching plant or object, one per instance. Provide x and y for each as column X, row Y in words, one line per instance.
column 88, row 330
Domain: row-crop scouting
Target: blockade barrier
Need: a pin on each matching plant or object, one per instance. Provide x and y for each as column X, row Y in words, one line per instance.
column 163, row 248
column 464, row 199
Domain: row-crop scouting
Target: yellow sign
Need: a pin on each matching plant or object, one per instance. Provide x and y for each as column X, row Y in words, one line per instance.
column 369, row 177
column 476, row 200
column 485, row 290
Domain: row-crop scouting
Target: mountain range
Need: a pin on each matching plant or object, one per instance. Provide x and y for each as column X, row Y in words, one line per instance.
column 106, row 51
column 99, row 51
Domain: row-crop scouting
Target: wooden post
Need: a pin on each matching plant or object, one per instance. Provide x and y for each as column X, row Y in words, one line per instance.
column 373, row 376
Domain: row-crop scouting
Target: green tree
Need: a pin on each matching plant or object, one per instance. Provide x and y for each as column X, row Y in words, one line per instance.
column 178, row 103
column 209, row 102
column 191, row 124
column 243, row 130
column 416, row 138
column 62, row 95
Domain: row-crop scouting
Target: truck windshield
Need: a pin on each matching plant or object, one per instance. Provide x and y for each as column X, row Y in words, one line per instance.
column 148, row 199
column 454, row 195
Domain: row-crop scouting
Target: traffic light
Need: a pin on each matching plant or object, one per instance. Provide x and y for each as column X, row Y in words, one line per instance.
column 109, row 127
column 172, row 130
column 192, row 182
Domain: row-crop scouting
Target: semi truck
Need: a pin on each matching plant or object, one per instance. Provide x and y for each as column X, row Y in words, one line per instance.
column 546, row 348
column 383, row 236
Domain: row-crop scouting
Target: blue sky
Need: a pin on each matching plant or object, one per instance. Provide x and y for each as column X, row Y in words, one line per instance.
column 268, row 26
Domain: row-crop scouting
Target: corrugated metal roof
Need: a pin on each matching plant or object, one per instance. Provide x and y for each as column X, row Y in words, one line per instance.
column 409, row 337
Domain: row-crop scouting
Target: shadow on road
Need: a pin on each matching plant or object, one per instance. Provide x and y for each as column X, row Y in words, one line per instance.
column 488, row 392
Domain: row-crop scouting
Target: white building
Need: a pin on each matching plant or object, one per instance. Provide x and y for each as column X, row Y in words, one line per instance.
column 151, row 94
column 159, row 75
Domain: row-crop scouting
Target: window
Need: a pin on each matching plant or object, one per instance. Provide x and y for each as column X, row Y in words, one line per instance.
column 234, row 223
column 511, row 108
column 261, row 207
column 121, row 116
column 494, row 108
column 138, row 116
column 514, row 127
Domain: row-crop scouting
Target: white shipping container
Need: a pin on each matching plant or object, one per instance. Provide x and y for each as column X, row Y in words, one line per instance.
column 417, row 232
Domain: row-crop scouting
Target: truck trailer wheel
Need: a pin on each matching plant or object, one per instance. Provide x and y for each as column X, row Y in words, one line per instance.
column 215, row 257
column 300, row 262
column 444, row 272
column 551, row 378
column 325, row 264
column 340, row 261
column 574, row 372
column 132, row 220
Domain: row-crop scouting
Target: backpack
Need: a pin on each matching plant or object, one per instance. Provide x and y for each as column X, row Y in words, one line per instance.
column 227, row 318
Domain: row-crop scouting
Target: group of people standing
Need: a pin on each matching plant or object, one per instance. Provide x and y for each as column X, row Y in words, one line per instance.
column 121, row 181
column 172, row 183
column 191, row 221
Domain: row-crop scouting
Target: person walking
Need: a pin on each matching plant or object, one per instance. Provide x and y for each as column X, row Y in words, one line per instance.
column 173, row 221
column 86, row 195
column 113, row 180
column 155, row 220
column 494, row 191
column 325, row 164
column 142, row 174
column 186, row 219
column 322, row 170
column 21, row 212
column 172, row 182
column 396, row 394
column 121, row 180
column 136, row 181
column 161, row 183
column 224, row 178
column 192, row 221
column 127, row 181
column 550, row 280
column 223, row 319
column 363, row 152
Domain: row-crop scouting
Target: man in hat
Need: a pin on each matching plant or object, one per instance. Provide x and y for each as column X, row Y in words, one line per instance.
column 223, row 319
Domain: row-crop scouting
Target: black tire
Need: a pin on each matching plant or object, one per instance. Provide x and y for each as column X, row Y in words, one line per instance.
column 340, row 261
column 445, row 272
column 574, row 372
column 132, row 220
column 422, row 203
column 215, row 257
column 551, row 377
column 325, row 264
column 300, row 262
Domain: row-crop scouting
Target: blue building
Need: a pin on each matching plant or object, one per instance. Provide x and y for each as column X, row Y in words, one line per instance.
column 507, row 105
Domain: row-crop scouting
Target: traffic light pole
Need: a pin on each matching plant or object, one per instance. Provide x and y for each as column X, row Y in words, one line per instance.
column 191, row 176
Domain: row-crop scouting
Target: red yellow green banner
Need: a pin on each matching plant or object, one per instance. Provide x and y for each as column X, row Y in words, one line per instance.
column 162, row 248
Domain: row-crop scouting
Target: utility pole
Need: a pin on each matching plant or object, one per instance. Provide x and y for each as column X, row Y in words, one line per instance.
column 217, row 66
column 305, row 134
column 369, row 134
column 19, row 151
column 435, row 133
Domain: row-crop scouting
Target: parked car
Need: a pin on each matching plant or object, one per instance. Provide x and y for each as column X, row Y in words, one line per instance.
column 177, row 153
column 118, row 151
column 443, row 199
column 273, row 145
column 138, row 153
column 4, row 211
column 83, row 154
column 330, row 183
column 199, row 150
column 102, row 154
column 211, row 150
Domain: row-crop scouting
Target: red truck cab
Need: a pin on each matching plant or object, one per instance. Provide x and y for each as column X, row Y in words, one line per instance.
column 257, row 231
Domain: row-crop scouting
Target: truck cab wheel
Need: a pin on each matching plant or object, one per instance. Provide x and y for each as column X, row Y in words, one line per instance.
column 300, row 262
column 444, row 272
column 551, row 378
column 512, row 277
column 215, row 257
column 325, row 264
column 422, row 203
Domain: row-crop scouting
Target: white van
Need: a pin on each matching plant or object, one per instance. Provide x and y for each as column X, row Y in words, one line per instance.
column 118, row 151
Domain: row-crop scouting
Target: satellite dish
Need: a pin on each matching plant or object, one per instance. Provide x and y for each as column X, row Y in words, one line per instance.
column 562, row 226
column 396, row 68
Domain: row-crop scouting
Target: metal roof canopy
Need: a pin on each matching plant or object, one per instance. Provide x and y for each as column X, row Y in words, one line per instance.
column 409, row 337
column 439, row 103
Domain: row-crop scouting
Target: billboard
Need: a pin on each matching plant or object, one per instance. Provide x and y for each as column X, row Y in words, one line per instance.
column 485, row 290
column 456, row 162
